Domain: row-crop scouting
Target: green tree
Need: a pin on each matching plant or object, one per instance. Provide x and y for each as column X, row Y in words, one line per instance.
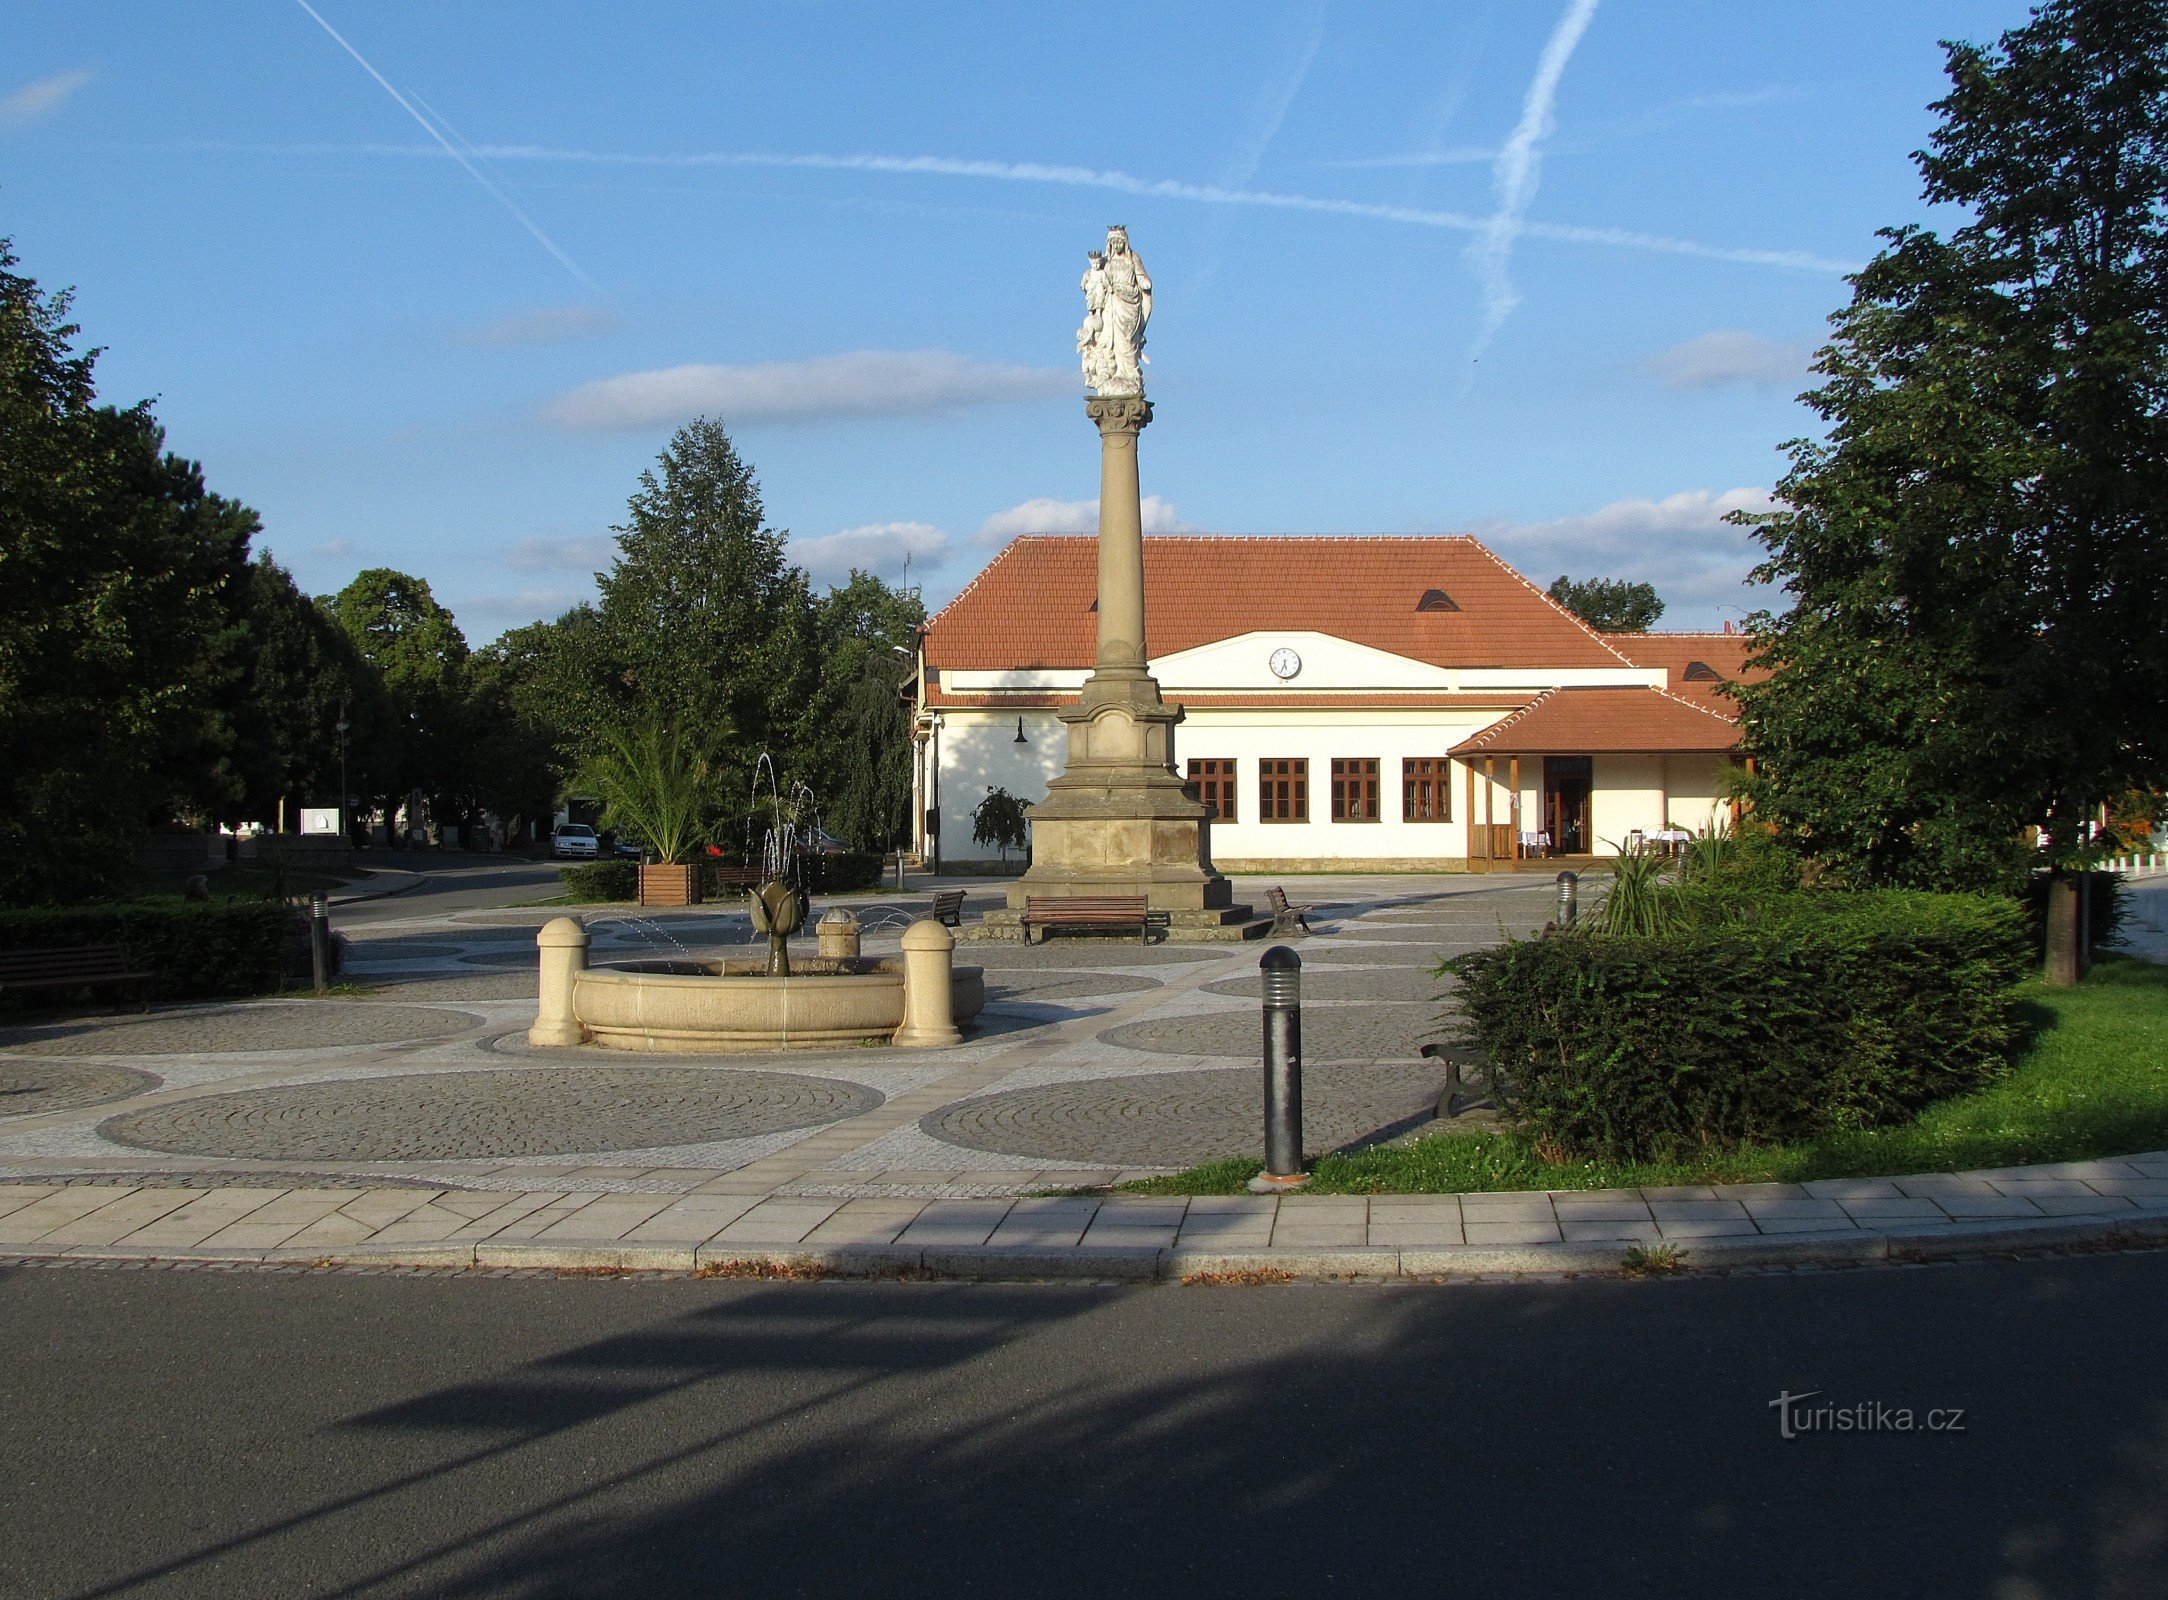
column 703, row 622
column 860, row 743
column 522, row 741
column 1609, row 605
column 417, row 649
column 119, row 571
column 999, row 820
column 1977, row 641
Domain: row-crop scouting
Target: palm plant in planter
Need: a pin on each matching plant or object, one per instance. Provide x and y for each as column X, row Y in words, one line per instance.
column 657, row 784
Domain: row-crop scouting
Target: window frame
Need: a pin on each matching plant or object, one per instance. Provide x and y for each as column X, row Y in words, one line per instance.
column 1292, row 775
column 1440, row 776
column 1356, row 780
column 1223, row 782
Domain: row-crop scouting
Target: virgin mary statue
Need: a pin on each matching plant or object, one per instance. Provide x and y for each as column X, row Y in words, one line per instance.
column 1117, row 305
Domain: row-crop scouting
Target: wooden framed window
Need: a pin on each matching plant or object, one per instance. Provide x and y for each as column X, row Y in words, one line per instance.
column 1283, row 790
column 1213, row 781
column 1355, row 789
column 1426, row 789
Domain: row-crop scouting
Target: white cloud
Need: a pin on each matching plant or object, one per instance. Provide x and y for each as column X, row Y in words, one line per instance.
column 1071, row 516
column 877, row 547
column 548, row 325
column 482, row 617
column 1698, row 562
column 41, row 99
column 1728, row 356
column 543, row 553
column 864, row 383
column 334, row 549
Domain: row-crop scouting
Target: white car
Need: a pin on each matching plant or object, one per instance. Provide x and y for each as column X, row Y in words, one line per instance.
column 575, row 839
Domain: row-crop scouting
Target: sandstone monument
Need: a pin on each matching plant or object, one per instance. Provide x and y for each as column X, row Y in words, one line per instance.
column 1117, row 822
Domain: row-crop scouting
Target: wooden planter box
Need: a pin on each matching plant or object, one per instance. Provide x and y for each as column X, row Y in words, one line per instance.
column 670, row 885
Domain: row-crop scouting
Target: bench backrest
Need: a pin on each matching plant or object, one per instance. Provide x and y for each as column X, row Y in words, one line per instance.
column 1276, row 898
column 84, row 961
column 1106, row 905
column 948, row 900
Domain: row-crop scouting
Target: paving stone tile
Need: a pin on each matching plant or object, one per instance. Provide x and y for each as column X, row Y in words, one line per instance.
column 877, row 1227
column 110, row 1224
column 1295, row 1236
column 1227, row 1228
column 1986, row 1205
column 610, row 1218
column 1853, row 1189
column 2135, row 1188
column 1601, row 1210
column 2083, row 1205
column 2034, row 1188
column 1891, row 1208
column 1592, row 1232
column 694, row 1217
column 1709, row 1227
column 1751, row 1192
column 1677, row 1191
column 1668, row 1212
column 1839, row 1223
column 1798, row 1210
column 211, row 1210
column 509, row 1209
column 1936, row 1186
column 778, row 1222
column 64, row 1206
column 1431, row 1232
column 333, row 1231
column 1510, row 1232
column 1200, row 1204
column 1598, row 1196
column 1128, row 1234
column 14, row 1197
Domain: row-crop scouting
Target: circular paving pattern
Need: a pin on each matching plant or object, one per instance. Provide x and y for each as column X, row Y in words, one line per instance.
column 1059, row 986
column 386, row 952
column 528, row 957
column 1338, row 985
column 1177, row 1119
column 29, row 1087
column 1003, row 954
column 223, row 1030
column 1423, row 956
column 453, row 984
column 452, row 1116
column 1329, row 1033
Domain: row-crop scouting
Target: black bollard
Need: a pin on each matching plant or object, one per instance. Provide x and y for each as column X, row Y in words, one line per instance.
column 1569, row 899
column 1282, row 970
column 320, row 941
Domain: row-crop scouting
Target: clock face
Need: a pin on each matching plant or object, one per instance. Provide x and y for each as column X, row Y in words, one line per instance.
column 1285, row 663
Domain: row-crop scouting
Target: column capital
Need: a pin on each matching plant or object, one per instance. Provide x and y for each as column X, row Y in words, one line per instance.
column 1118, row 413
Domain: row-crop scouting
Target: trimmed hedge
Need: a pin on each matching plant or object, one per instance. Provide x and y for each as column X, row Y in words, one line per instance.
column 602, row 880
column 845, row 873
column 197, row 949
column 1799, row 1015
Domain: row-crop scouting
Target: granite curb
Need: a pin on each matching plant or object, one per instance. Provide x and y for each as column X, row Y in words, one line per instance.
column 1167, row 1264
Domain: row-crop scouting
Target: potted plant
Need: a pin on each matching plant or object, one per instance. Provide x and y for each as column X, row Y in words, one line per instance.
column 657, row 785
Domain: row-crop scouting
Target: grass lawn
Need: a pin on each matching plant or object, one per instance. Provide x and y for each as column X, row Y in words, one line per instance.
column 2092, row 1082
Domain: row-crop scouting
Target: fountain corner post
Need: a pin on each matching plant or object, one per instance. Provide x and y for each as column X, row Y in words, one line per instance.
column 929, row 1015
column 562, row 947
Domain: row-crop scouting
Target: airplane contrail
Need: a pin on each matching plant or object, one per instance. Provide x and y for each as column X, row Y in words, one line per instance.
column 452, row 150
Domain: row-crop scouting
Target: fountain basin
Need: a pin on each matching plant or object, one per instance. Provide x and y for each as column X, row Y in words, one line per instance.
column 681, row 1007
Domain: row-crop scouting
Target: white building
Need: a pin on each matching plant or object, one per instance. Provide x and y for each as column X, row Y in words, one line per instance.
column 1352, row 703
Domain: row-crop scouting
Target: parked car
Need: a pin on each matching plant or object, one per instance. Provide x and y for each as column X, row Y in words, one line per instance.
column 630, row 849
column 575, row 839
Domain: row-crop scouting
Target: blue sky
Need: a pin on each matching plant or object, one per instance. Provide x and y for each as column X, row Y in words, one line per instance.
column 1545, row 272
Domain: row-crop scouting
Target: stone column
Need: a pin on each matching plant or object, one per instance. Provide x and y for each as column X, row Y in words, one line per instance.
column 1121, row 534
column 563, row 950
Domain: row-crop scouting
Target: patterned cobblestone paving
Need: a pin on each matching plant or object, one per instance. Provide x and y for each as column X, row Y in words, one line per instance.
column 219, row 1030
column 1055, row 986
column 1176, row 1119
column 451, row 1116
column 29, row 1087
column 997, row 955
column 1329, row 1033
column 1338, row 985
column 466, row 984
column 400, row 950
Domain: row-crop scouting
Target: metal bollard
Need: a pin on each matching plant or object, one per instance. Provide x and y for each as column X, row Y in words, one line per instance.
column 320, row 941
column 1282, row 970
column 1569, row 898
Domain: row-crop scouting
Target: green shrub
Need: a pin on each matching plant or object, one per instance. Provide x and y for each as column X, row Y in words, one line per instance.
column 196, row 949
column 602, row 880
column 1764, row 1018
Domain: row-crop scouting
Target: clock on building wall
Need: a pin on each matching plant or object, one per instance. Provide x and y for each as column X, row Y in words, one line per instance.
column 1284, row 663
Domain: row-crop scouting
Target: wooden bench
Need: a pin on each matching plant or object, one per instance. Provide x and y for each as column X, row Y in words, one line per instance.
column 1283, row 913
column 948, row 908
column 737, row 877
column 1046, row 913
column 89, row 966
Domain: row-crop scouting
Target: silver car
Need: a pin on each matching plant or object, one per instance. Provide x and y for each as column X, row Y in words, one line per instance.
column 575, row 839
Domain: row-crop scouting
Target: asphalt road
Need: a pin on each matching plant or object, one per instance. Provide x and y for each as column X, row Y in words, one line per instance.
column 245, row 1434
column 451, row 883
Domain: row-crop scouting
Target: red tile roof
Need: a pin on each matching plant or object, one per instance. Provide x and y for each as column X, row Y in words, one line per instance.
column 1723, row 653
column 1032, row 606
column 1588, row 721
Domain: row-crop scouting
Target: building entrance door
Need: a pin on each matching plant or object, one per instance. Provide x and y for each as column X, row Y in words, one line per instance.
column 1567, row 782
